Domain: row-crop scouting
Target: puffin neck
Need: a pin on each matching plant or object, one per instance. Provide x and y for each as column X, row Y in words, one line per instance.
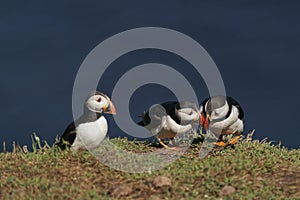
column 89, row 116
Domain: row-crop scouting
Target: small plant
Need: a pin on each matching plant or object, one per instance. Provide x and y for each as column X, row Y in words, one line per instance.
column 37, row 145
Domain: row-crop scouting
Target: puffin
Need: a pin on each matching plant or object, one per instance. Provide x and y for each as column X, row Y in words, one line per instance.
column 222, row 115
column 168, row 119
column 90, row 129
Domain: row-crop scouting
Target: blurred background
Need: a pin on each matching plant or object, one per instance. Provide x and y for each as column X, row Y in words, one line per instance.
column 255, row 45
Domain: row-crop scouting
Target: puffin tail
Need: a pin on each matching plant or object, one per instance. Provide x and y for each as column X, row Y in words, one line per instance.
column 141, row 123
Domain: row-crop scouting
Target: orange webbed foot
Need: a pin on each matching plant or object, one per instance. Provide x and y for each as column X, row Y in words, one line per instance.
column 234, row 140
column 221, row 144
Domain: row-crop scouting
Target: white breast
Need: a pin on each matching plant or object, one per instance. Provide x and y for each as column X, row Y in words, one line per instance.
column 90, row 135
column 237, row 127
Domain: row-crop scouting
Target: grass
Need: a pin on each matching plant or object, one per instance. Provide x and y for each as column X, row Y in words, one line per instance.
column 257, row 170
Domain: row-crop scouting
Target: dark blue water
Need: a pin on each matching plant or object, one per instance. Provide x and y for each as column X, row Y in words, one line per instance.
column 255, row 44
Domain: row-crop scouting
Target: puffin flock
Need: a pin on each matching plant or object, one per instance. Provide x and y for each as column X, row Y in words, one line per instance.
column 219, row 114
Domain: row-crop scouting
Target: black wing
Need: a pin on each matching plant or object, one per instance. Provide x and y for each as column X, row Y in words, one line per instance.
column 169, row 107
column 68, row 136
column 233, row 102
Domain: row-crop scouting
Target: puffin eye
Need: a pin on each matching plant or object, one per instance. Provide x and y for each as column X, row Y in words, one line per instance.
column 99, row 99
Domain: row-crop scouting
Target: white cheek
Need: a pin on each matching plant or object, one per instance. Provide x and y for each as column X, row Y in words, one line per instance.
column 101, row 104
column 96, row 106
column 214, row 113
column 220, row 112
column 195, row 116
column 190, row 116
column 186, row 111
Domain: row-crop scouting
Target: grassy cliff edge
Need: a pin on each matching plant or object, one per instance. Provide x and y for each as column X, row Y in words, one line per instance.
column 250, row 170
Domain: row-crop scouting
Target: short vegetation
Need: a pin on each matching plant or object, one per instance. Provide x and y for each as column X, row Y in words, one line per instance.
column 249, row 170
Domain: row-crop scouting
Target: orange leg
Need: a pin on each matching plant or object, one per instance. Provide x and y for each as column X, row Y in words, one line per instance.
column 234, row 140
column 164, row 145
column 220, row 142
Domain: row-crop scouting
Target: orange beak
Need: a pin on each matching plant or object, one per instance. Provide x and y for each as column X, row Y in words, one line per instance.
column 205, row 121
column 110, row 109
column 202, row 120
